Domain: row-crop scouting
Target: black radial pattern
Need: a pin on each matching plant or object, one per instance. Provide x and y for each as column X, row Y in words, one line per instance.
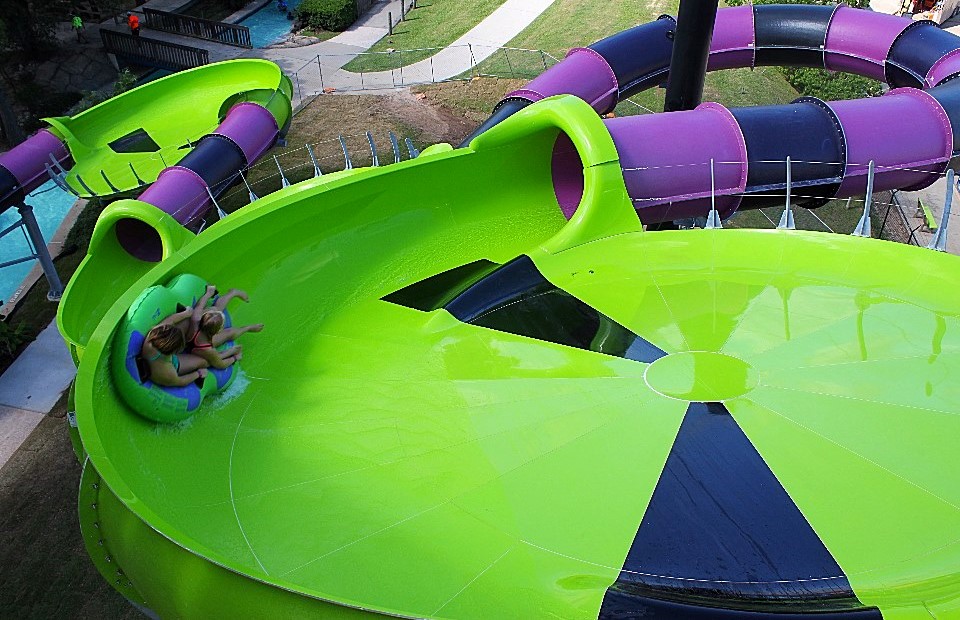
column 518, row 299
column 721, row 538
column 719, row 524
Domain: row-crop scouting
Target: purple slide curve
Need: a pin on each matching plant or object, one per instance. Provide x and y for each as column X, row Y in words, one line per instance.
column 911, row 134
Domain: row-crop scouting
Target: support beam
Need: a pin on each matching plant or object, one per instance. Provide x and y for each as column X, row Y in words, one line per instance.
column 691, row 50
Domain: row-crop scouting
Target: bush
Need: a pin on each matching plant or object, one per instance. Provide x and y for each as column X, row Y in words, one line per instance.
column 11, row 337
column 819, row 82
column 335, row 15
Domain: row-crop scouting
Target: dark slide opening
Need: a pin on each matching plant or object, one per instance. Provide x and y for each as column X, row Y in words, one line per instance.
column 139, row 239
column 138, row 141
column 567, row 170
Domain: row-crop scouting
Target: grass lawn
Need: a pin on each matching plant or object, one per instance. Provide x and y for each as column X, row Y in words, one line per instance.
column 320, row 35
column 433, row 24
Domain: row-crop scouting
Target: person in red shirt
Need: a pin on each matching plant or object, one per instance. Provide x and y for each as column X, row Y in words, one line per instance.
column 134, row 22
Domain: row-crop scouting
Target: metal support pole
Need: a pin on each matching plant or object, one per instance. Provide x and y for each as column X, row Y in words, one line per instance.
column 509, row 65
column 939, row 241
column 403, row 11
column 396, row 147
column 373, row 150
column 786, row 219
column 114, row 188
column 253, row 197
column 863, row 227
column 84, row 185
column 412, row 150
column 713, row 218
column 140, row 181
column 390, row 23
column 283, row 179
column 40, row 249
column 691, row 49
column 347, row 162
column 220, row 212
column 316, row 167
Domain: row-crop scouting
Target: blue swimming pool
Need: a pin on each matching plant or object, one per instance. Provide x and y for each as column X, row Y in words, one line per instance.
column 50, row 205
column 269, row 25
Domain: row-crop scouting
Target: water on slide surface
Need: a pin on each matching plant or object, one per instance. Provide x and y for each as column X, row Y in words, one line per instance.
column 452, row 464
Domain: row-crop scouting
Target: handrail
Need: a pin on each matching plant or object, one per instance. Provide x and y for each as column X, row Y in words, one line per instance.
column 206, row 29
column 153, row 53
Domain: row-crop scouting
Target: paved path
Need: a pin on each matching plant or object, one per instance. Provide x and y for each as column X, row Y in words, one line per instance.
column 934, row 197
column 319, row 65
column 31, row 386
column 327, row 58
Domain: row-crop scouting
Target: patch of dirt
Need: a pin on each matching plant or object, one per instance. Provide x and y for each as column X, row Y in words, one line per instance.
column 434, row 122
column 48, row 572
column 330, row 117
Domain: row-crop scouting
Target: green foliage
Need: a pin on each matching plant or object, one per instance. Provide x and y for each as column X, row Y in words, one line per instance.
column 125, row 81
column 11, row 337
column 819, row 82
column 830, row 86
column 336, row 15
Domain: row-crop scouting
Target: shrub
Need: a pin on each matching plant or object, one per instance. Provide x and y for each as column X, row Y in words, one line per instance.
column 819, row 82
column 11, row 337
column 336, row 15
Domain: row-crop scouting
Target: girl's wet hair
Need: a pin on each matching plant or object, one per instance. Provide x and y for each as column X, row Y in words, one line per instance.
column 211, row 323
column 166, row 338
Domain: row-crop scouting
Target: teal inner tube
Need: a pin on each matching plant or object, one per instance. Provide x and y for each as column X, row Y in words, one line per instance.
column 157, row 402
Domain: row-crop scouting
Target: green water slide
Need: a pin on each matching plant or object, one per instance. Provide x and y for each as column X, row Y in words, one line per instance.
column 126, row 141
column 131, row 139
column 464, row 406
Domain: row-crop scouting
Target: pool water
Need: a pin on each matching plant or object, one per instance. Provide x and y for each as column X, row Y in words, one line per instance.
column 50, row 206
column 268, row 25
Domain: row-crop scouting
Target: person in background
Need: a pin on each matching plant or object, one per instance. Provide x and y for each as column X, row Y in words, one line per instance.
column 282, row 6
column 78, row 27
column 134, row 22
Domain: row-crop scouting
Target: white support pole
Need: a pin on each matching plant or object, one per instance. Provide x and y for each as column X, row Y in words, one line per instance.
column 863, row 227
column 939, row 241
column 786, row 218
column 713, row 218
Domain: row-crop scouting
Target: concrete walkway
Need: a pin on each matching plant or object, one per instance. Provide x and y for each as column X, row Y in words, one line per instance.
column 30, row 388
column 326, row 59
column 319, row 65
column 934, row 198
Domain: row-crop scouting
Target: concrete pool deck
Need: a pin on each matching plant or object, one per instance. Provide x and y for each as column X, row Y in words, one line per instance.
column 31, row 387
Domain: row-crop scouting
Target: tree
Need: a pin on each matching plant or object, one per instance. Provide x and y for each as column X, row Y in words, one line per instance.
column 29, row 26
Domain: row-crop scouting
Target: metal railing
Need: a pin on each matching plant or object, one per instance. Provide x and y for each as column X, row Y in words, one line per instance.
column 36, row 247
column 206, row 29
column 152, row 53
column 411, row 67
